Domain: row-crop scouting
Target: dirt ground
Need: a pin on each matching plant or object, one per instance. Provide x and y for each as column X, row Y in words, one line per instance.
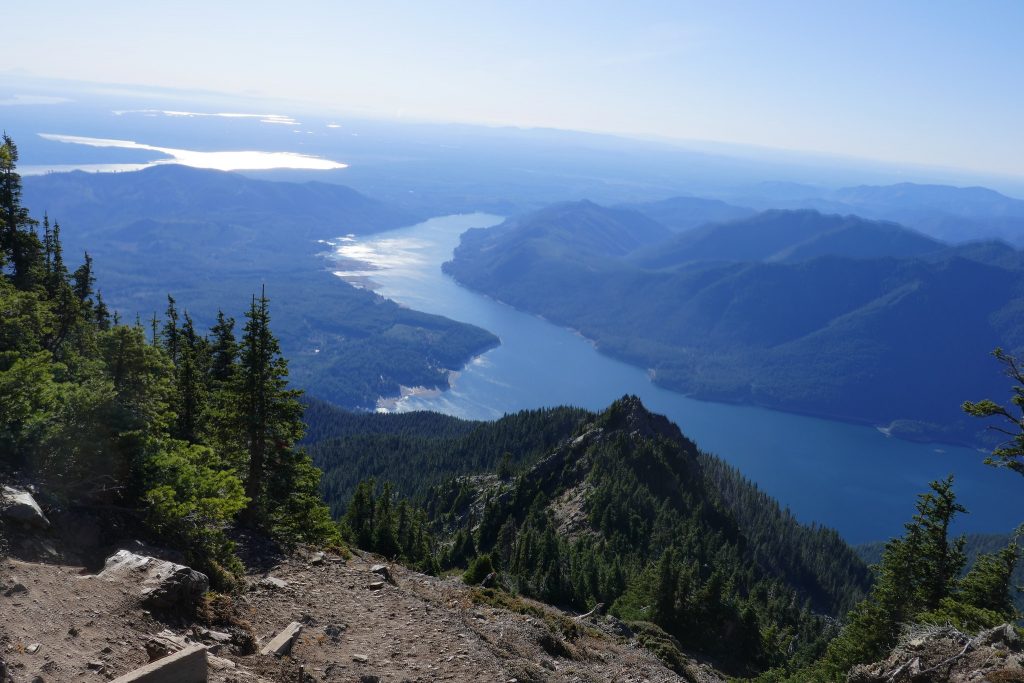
column 422, row 629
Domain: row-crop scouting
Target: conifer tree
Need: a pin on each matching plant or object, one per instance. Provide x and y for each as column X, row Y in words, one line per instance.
column 270, row 413
column 20, row 247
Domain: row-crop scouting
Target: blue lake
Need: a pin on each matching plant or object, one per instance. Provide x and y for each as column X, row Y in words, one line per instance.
column 849, row 477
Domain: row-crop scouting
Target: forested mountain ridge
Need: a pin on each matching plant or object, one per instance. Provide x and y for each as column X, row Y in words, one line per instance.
column 626, row 511
column 775, row 319
column 685, row 213
column 576, row 508
column 788, row 237
column 208, row 236
column 945, row 212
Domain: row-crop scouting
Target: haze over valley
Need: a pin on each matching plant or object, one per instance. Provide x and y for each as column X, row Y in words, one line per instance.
column 574, row 342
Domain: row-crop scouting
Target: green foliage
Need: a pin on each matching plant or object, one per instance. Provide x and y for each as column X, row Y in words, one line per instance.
column 478, row 570
column 1010, row 454
column 372, row 523
column 415, row 451
column 185, row 431
column 191, row 499
column 206, row 236
column 652, row 540
column 919, row 581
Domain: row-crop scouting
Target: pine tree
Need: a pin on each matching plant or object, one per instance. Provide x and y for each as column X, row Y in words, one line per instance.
column 19, row 245
column 170, row 333
column 270, row 414
column 384, row 540
column 223, row 349
column 1011, row 453
column 191, row 389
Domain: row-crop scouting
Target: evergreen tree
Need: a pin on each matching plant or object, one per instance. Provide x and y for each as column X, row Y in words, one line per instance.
column 20, row 247
column 385, row 541
column 223, row 349
column 1011, row 453
column 170, row 333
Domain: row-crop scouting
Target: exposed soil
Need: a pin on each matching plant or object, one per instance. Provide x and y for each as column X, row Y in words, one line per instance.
column 422, row 629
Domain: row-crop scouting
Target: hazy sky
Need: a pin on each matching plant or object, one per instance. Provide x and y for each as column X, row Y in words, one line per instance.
column 933, row 82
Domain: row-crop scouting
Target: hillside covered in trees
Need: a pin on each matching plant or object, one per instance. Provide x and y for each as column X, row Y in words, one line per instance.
column 210, row 237
column 619, row 508
column 177, row 434
column 834, row 316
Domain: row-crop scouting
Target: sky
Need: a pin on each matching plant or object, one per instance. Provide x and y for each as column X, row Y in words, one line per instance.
column 933, row 82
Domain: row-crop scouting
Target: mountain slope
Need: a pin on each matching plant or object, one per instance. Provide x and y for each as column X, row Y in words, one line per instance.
column 685, row 213
column 854, row 336
column 625, row 501
column 788, row 236
column 210, row 236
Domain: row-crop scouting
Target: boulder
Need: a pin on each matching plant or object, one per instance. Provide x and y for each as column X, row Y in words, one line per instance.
column 20, row 506
column 162, row 585
column 273, row 583
column 383, row 572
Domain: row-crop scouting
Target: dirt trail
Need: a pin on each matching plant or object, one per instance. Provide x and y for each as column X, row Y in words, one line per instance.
column 423, row 629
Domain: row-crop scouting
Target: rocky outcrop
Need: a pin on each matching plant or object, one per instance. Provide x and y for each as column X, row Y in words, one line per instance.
column 943, row 654
column 19, row 506
column 162, row 585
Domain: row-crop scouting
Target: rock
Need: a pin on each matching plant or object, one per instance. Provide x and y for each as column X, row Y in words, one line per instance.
column 618, row 627
column 15, row 588
column 318, row 559
column 273, row 583
column 490, row 580
column 1000, row 635
column 217, row 636
column 164, row 643
column 33, row 648
column 384, row 572
column 162, row 585
column 334, row 631
column 376, row 585
column 369, row 678
column 20, row 506
column 362, row 659
column 96, row 666
column 282, row 642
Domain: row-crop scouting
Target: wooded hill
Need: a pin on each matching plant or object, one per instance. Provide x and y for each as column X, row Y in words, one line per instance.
column 210, row 237
column 835, row 316
column 576, row 508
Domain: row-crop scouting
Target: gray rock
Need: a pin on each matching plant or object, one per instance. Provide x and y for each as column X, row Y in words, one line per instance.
column 20, row 506
column 362, row 659
column 318, row 559
column 383, row 572
column 376, row 585
column 273, row 583
column 161, row 584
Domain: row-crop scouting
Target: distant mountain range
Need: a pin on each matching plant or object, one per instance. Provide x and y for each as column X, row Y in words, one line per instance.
column 830, row 315
column 952, row 214
column 212, row 239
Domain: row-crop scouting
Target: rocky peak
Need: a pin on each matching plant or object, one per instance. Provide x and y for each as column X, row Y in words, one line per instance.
column 629, row 414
